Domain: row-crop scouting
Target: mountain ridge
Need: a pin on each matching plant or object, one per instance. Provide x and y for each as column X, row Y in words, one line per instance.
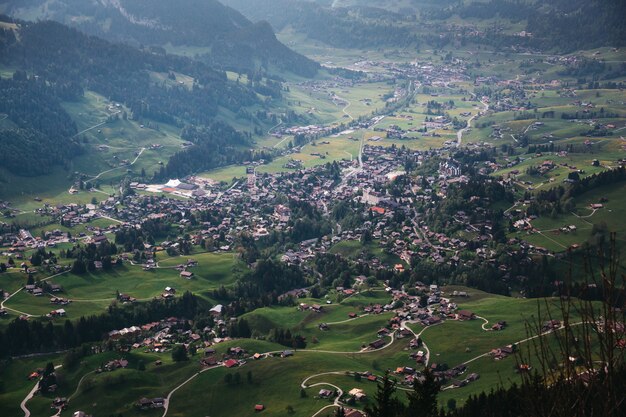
column 199, row 23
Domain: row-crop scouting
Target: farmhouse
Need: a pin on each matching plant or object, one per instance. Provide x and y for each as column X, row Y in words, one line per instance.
column 324, row 393
column 353, row 413
column 186, row 274
column 231, row 363
column 377, row 344
column 358, row 394
column 466, row 315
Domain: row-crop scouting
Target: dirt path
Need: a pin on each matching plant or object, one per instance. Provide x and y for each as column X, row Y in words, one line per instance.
column 120, row 167
column 94, row 126
column 10, row 296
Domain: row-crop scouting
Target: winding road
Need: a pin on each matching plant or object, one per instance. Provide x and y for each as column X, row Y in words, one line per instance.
column 459, row 134
column 120, row 167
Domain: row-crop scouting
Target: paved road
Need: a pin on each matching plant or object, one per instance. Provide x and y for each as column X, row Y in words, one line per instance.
column 459, row 134
column 30, row 395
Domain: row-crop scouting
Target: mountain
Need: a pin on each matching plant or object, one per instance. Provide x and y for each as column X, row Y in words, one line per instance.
column 558, row 25
column 57, row 64
column 225, row 37
column 344, row 27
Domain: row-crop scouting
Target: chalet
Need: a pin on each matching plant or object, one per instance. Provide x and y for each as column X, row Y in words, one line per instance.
column 377, row 344
column 37, row 292
column 499, row 325
column 146, row 403
column 186, row 274
column 209, row 361
column 324, row 393
column 286, row 353
column 358, row 394
column 352, row 315
column 217, row 310
column 231, row 363
column 473, row 377
column 383, row 332
column 98, row 239
column 259, row 407
column 465, row 315
column 55, row 288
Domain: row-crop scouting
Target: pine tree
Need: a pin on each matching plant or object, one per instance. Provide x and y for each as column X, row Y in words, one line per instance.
column 423, row 399
column 386, row 405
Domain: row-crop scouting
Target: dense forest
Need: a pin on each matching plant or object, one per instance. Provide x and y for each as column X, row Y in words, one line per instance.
column 212, row 146
column 562, row 25
column 340, row 27
column 62, row 56
column 43, row 134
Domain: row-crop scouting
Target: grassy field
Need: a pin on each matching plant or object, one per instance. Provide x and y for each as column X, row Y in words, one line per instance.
column 93, row 292
column 354, row 248
column 583, row 218
column 275, row 382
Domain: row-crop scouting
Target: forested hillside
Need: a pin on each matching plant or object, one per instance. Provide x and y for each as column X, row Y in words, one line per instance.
column 43, row 135
column 228, row 38
column 57, row 64
column 563, row 25
column 341, row 27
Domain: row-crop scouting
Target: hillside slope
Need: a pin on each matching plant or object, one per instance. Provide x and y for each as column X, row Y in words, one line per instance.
column 55, row 64
column 230, row 40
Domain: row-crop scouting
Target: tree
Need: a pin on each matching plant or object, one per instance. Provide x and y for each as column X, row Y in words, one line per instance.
column 340, row 412
column 451, row 404
column 141, row 365
column 179, row 353
column 386, row 404
column 228, row 378
column 423, row 399
column 303, row 393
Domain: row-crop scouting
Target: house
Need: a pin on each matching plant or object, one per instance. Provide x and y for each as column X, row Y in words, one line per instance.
column 186, row 274
column 286, row 353
column 210, row 361
column 259, row 407
column 465, row 315
column 358, row 394
column 377, row 344
column 324, row 393
column 217, row 310
column 231, row 363
column 146, row 403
